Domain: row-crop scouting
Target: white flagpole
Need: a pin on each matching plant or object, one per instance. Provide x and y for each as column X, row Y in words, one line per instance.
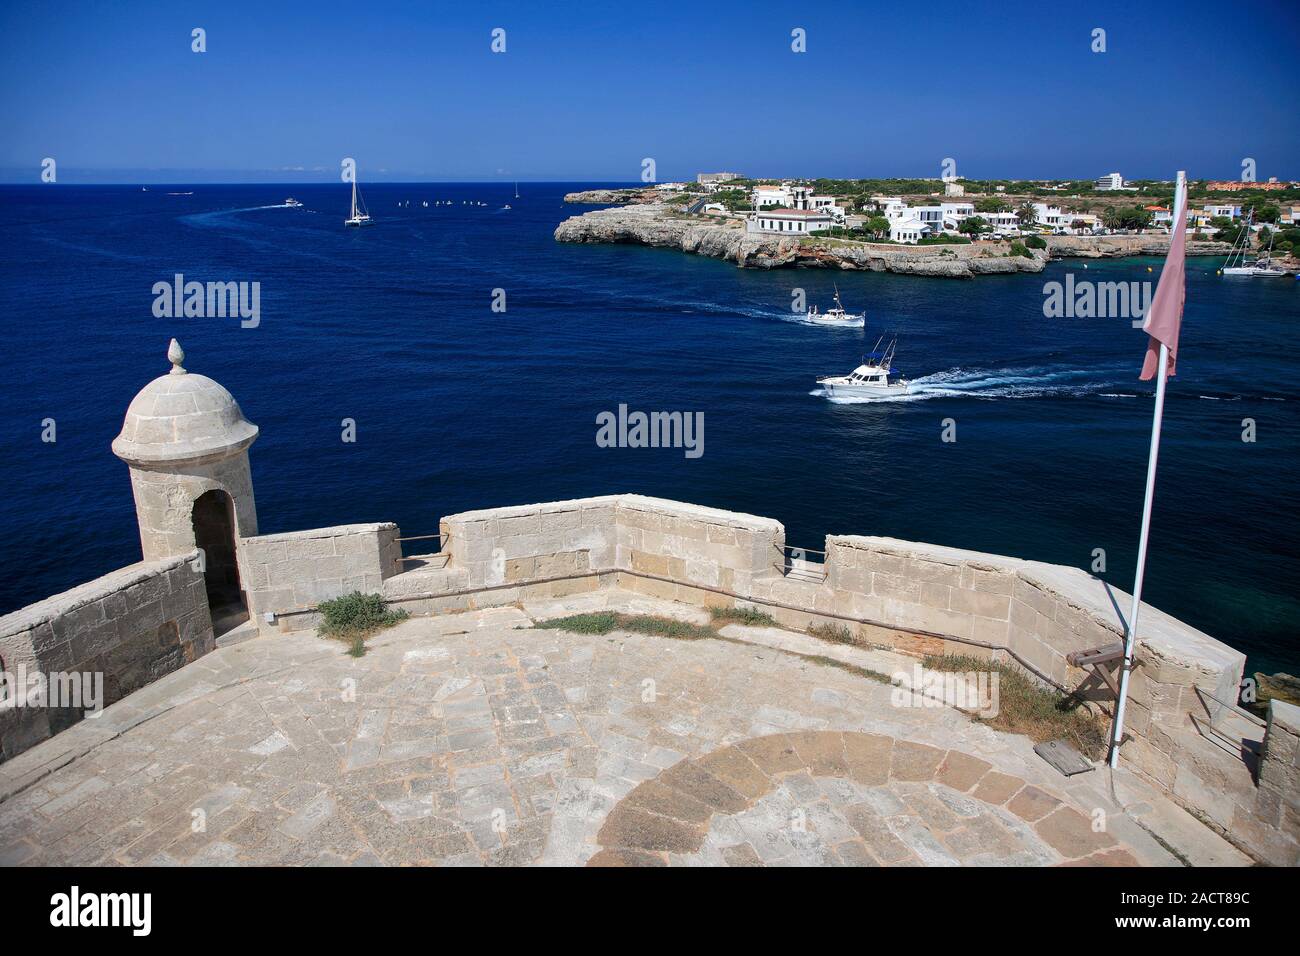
column 1130, row 637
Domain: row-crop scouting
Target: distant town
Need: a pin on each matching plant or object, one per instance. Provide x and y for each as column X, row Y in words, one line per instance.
column 956, row 210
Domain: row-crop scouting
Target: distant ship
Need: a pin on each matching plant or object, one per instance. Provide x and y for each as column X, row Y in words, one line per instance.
column 292, row 203
column 359, row 215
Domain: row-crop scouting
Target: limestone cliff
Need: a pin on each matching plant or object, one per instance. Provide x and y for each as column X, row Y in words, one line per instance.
column 602, row 196
column 1113, row 247
column 654, row 224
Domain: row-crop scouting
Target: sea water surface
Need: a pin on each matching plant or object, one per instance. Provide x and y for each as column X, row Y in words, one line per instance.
column 457, row 406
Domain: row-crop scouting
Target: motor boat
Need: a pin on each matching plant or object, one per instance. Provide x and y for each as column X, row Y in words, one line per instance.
column 870, row 379
column 292, row 203
column 836, row 315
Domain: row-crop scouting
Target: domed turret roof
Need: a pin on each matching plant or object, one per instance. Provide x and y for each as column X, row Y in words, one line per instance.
column 181, row 416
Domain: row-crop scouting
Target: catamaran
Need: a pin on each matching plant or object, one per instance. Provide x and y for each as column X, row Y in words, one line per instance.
column 359, row 215
column 836, row 315
column 1257, row 267
column 870, row 379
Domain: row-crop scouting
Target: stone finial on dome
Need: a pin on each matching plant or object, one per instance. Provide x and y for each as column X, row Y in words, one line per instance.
column 176, row 355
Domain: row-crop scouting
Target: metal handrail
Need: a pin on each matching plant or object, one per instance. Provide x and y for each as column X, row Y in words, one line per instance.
column 791, row 547
column 422, row 537
column 1239, row 711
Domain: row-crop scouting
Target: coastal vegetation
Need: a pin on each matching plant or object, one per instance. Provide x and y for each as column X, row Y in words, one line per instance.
column 1025, row 707
column 354, row 617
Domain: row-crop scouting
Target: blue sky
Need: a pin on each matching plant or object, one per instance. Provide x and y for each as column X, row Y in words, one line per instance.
column 584, row 91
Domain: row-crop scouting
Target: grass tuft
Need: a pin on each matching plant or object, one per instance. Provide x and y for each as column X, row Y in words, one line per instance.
column 835, row 633
column 1024, row 707
column 602, row 622
column 743, row 615
column 354, row 617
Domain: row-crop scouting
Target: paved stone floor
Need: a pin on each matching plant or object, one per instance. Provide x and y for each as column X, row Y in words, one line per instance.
column 475, row 739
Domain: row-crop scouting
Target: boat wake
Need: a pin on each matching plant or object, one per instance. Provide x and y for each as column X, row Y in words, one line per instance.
column 990, row 384
column 216, row 215
column 1029, row 382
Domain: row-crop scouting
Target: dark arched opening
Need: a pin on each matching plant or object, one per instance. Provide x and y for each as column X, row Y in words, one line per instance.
column 214, row 535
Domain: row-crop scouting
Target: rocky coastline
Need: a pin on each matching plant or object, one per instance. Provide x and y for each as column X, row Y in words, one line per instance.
column 662, row 226
column 611, row 196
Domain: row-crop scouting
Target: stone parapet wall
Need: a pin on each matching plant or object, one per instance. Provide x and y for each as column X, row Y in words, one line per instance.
column 1277, row 805
column 697, row 546
column 295, row 571
column 532, row 542
column 912, row 597
column 131, row 626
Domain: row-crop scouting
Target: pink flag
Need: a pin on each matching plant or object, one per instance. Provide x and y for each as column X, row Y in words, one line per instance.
column 1166, row 312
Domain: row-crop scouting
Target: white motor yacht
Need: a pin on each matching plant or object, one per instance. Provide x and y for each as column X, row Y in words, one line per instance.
column 292, row 203
column 836, row 315
column 870, row 379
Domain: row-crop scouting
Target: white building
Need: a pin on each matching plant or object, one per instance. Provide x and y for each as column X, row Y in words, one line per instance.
column 954, row 189
column 1231, row 212
column 771, row 196
column 787, row 221
column 1110, row 181
column 1003, row 222
column 891, row 207
column 1052, row 217
column 907, row 229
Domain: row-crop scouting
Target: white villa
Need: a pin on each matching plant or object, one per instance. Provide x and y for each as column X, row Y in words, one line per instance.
column 1053, row 217
column 1002, row 221
column 907, row 230
column 1231, row 212
column 771, row 196
column 805, row 213
column 798, row 221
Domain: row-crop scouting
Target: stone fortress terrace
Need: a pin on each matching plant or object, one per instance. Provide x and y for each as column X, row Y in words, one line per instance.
column 468, row 734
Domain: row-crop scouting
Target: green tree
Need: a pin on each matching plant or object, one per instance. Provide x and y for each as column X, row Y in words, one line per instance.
column 1027, row 213
column 877, row 225
column 974, row 225
column 1267, row 212
column 991, row 204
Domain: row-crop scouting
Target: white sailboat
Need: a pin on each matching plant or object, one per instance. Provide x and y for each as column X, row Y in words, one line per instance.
column 1260, row 268
column 359, row 215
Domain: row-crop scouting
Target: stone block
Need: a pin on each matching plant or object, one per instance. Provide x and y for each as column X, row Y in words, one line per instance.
column 981, row 604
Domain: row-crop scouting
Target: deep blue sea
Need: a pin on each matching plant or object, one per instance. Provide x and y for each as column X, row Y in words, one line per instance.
column 459, row 407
